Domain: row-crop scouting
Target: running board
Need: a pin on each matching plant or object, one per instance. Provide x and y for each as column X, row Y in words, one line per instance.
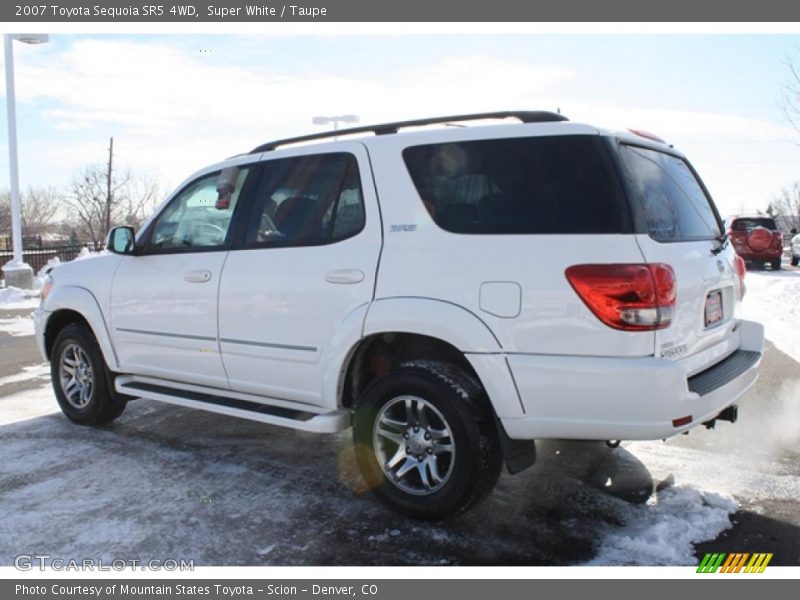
column 328, row 422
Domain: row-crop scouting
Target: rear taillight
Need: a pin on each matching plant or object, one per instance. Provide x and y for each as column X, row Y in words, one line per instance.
column 631, row 297
column 741, row 270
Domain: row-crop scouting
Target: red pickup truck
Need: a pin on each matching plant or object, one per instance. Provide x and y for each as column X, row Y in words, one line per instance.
column 757, row 240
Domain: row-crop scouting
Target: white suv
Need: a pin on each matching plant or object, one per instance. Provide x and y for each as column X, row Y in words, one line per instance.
column 453, row 293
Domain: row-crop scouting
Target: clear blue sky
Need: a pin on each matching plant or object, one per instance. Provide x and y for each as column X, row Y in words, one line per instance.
column 176, row 102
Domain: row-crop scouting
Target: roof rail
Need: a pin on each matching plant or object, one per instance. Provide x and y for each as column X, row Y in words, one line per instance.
column 537, row 116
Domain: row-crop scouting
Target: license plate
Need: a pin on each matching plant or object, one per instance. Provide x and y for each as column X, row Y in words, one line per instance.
column 713, row 308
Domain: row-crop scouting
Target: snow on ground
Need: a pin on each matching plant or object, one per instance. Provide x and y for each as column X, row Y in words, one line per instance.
column 773, row 298
column 28, row 373
column 663, row 531
column 164, row 481
column 18, row 326
column 14, row 298
column 26, row 405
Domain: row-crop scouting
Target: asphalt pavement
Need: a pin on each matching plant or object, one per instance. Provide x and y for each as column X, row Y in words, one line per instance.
column 166, row 482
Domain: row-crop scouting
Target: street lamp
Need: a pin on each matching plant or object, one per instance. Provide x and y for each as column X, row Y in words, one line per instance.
column 16, row 272
column 335, row 120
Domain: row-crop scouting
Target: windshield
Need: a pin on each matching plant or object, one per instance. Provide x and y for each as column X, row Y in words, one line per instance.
column 668, row 197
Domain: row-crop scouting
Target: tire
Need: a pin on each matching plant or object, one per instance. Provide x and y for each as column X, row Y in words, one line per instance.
column 776, row 264
column 795, row 260
column 455, row 440
column 81, row 380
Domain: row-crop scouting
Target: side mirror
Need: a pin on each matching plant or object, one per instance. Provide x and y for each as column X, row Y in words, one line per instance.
column 794, row 231
column 121, row 240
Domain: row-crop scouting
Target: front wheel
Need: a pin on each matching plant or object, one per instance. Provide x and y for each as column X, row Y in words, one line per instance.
column 81, row 380
column 795, row 260
column 425, row 440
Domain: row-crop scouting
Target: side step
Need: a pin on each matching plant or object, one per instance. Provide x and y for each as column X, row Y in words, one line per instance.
column 328, row 422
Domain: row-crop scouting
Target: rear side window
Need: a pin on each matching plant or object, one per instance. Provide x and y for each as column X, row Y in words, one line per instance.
column 668, row 196
column 557, row 185
column 308, row 200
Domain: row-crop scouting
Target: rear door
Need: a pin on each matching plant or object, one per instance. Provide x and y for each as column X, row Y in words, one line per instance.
column 304, row 269
column 683, row 230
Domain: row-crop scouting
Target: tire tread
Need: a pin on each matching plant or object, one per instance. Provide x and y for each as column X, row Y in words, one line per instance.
column 107, row 405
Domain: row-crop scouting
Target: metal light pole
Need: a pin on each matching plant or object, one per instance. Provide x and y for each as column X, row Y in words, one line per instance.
column 335, row 120
column 17, row 273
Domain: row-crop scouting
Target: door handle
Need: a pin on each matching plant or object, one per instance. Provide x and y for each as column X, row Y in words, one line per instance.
column 345, row 276
column 200, row 276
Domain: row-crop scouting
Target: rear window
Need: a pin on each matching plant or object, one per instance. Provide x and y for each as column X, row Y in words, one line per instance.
column 751, row 223
column 556, row 185
column 668, row 196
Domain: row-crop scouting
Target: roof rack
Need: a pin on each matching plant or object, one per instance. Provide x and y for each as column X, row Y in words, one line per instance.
column 537, row 116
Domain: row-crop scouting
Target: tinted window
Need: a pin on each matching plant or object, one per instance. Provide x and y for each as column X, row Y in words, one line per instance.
column 668, row 196
column 564, row 184
column 199, row 215
column 751, row 223
column 307, row 200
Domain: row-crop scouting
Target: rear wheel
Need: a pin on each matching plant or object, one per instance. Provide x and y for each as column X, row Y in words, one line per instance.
column 81, row 379
column 425, row 440
column 776, row 264
column 795, row 260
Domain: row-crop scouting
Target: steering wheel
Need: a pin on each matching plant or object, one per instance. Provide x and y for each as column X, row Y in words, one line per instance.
column 214, row 233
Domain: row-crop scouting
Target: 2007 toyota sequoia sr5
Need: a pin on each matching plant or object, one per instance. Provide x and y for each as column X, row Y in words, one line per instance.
column 453, row 293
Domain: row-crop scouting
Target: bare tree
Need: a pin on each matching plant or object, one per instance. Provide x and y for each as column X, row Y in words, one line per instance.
column 131, row 200
column 785, row 206
column 39, row 208
column 791, row 93
column 142, row 194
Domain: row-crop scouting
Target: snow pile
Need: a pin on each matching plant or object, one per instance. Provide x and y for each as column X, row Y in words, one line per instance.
column 86, row 253
column 12, row 295
column 663, row 531
column 774, row 300
column 49, row 266
column 15, row 298
column 12, row 298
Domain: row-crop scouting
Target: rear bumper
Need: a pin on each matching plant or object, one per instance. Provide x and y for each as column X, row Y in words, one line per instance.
column 628, row 399
column 765, row 255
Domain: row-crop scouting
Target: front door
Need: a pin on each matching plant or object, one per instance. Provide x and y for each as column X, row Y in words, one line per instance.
column 164, row 299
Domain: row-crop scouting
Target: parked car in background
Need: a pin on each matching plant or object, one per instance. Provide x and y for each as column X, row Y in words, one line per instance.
column 452, row 294
column 757, row 240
